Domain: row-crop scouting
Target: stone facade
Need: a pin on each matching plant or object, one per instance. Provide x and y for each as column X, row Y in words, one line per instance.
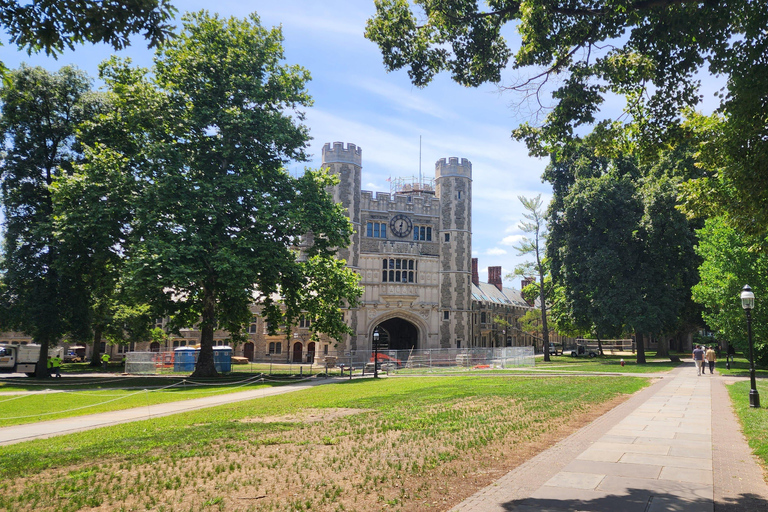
column 413, row 251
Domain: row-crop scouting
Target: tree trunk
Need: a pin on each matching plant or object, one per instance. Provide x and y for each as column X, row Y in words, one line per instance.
column 41, row 368
column 205, row 366
column 544, row 327
column 663, row 350
column 599, row 344
column 95, row 359
column 640, row 349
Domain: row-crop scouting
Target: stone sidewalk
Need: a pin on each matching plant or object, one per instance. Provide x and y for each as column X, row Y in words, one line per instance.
column 674, row 446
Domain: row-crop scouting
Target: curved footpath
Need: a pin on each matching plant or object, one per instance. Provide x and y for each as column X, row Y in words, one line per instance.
column 674, row 446
column 45, row 429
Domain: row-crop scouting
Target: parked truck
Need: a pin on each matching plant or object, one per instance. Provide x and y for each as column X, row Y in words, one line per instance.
column 23, row 358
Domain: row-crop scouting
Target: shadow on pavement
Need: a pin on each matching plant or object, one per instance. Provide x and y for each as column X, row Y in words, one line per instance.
column 635, row 500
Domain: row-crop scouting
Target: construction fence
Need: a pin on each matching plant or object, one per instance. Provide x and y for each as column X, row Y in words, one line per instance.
column 358, row 362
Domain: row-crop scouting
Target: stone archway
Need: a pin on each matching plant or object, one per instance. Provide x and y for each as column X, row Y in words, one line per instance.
column 397, row 333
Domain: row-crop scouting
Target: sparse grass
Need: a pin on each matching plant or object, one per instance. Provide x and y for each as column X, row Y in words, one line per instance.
column 413, row 443
column 67, row 399
column 754, row 421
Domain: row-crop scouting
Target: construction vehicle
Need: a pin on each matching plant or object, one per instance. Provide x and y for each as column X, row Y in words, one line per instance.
column 23, row 358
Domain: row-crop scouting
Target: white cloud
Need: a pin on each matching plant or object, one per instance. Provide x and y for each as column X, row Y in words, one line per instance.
column 512, row 239
column 495, row 251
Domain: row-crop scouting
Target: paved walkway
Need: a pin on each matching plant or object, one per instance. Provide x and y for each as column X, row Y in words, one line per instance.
column 45, row 429
column 674, row 446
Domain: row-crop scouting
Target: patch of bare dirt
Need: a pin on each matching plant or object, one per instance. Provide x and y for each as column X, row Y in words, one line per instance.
column 308, row 416
column 338, row 459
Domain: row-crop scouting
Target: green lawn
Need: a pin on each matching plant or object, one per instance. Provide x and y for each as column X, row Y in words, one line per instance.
column 754, row 421
column 433, row 429
column 607, row 363
column 739, row 367
column 76, row 397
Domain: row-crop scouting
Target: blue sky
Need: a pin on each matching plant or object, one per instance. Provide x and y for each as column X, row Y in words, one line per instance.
column 357, row 101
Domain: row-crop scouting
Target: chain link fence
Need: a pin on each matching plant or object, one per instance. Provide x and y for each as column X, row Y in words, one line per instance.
column 359, row 362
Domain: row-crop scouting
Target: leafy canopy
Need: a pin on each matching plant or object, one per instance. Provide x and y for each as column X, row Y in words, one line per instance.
column 215, row 219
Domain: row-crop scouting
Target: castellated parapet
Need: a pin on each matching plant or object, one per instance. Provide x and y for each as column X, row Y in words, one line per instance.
column 453, row 167
column 339, row 153
column 384, row 202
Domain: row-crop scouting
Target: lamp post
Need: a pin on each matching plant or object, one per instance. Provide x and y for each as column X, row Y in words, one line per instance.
column 748, row 302
column 376, row 353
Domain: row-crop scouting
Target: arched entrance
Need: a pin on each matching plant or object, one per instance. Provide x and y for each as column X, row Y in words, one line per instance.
column 297, row 352
column 398, row 334
column 154, row 347
column 248, row 351
column 311, row 352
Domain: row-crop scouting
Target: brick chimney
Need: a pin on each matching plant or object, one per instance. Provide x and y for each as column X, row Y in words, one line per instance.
column 475, row 275
column 494, row 277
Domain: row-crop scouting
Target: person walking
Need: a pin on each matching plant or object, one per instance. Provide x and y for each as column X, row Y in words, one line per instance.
column 711, row 357
column 56, row 366
column 104, row 360
column 698, row 359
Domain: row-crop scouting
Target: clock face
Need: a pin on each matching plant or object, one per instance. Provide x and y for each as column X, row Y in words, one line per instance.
column 400, row 225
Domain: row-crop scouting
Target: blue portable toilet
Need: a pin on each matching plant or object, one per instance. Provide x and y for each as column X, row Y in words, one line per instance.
column 222, row 359
column 184, row 359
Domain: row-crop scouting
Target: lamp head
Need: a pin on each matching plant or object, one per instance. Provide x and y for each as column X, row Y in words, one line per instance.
column 375, row 335
column 747, row 297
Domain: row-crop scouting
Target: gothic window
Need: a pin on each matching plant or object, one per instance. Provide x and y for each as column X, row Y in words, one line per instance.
column 398, row 270
column 447, row 237
column 446, row 315
column 304, row 322
column 376, row 230
column 422, row 233
column 252, row 329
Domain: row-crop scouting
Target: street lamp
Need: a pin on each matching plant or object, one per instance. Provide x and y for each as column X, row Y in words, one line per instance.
column 748, row 302
column 376, row 353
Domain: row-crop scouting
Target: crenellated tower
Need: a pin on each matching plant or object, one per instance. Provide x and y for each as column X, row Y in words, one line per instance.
column 453, row 188
column 346, row 163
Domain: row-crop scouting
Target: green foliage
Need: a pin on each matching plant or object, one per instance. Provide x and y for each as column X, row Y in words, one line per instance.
column 40, row 114
column 534, row 246
column 730, row 262
column 51, row 25
column 648, row 53
column 213, row 218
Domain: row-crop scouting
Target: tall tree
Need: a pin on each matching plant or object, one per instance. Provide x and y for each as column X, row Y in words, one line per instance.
column 40, row 113
column 730, row 262
column 592, row 248
column 216, row 215
column 92, row 206
column 572, row 55
column 534, row 246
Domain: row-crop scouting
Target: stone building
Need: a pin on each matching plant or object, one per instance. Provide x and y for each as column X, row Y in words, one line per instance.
column 412, row 247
